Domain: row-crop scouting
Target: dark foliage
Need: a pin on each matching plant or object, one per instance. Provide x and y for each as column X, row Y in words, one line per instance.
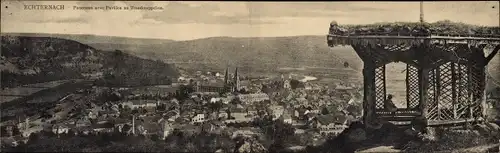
column 183, row 92
column 294, row 84
column 445, row 27
column 279, row 133
column 29, row 60
column 119, row 142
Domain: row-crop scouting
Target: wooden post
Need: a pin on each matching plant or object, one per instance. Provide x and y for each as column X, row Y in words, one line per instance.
column 369, row 93
column 454, row 90
column 437, row 91
column 423, row 79
column 423, row 86
column 408, row 101
column 385, row 84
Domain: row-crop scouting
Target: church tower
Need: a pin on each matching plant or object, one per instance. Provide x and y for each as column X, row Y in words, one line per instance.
column 236, row 80
column 226, row 77
column 286, row 82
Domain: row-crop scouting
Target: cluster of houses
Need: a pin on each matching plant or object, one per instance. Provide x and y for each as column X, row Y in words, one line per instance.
column 160, row 116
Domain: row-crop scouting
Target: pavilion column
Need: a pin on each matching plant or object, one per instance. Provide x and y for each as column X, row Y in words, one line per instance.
column 369, row 93
column 423, row 80
column 478, row 76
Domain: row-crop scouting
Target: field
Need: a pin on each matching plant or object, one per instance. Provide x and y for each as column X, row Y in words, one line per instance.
column 11, row 94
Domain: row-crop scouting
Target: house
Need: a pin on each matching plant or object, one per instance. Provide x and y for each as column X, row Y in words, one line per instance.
column 181, row 79
column 151, row 128
column 132, row 104
column 108, row 113
column 226, row 100
column 330, row 124
column 60, row 129
column 251, row 111
column 168, row 127
column 223, row 114
column 136, row 129
column 287, row 117
column 152, row 103
column 215, row 99
column 277, row 111
column 104, row 127
column 251, row 98
column 199, row 118
column 82, row 122
column 171, row 115
column 310, row 116
column 93, row 115
column 135, row 104
column 208, row 127
column 216, row 87
column 310, row 109
column 300, row 112
column 250, row 132
column 120, row 124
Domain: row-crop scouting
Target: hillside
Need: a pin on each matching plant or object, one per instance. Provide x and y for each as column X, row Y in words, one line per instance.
column 251, row 54
column 34, row 59
column 96, row 39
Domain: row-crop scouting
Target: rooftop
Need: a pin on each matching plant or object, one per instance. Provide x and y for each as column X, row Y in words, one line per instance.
column 327, row 119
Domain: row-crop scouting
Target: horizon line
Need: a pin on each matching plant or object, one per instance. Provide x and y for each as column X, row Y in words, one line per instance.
column 177, row 40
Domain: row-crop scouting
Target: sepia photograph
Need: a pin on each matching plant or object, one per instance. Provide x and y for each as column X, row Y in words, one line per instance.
column 250, row 76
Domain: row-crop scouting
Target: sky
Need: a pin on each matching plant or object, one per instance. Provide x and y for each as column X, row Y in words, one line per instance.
column 193, row 20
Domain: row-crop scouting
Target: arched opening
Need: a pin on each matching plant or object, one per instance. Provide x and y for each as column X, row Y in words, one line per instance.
column 396, row 83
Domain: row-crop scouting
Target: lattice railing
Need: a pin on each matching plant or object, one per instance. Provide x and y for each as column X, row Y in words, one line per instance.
column 412, row 92
column 476, row 76
column 462, row 91
column 380, row 90
column 444, row 92
column 432, row 106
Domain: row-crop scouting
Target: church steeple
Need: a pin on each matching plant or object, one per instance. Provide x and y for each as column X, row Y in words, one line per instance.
column 236, row 80
column 226, row 76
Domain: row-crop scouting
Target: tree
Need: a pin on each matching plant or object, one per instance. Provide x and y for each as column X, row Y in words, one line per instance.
column 155, row 137
column 33, row 137
column 183, row 92
column 294, row 84
column 279, row 133
column 324, row 111
column 229, row 116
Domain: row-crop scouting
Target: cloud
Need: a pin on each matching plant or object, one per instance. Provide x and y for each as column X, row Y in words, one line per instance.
column 252, row 12
column 313, row 9
column 192, row 20
column 205, row 13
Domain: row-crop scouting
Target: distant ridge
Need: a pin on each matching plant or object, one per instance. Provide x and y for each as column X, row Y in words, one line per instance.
column 92, row 39
column 265, row 54
column 250, row 53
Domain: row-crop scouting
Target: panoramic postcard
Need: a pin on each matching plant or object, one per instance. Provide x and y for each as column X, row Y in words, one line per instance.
column 250, row 77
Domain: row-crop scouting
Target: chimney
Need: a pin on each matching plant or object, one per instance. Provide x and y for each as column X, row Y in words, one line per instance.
column 133, row 124
column 26, row 125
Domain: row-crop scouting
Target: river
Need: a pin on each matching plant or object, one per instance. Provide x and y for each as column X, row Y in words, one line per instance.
column 308, row 78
